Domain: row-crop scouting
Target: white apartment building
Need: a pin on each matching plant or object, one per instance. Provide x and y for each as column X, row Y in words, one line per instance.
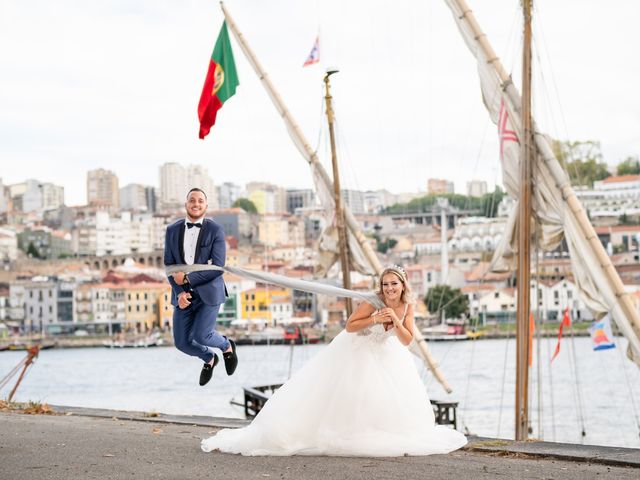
column 117, row 235
column 354, row 199
column 227, row 194
column 548, row 299
column 378, row 200
column 281, row 309
column 133, row 197
column 173, row 184
column 612, row 197
column 477, row 234
column 40, row 303
column 52, row 196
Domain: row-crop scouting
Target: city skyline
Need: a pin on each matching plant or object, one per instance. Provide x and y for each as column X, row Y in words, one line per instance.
column 112, row 191
column 128, row 103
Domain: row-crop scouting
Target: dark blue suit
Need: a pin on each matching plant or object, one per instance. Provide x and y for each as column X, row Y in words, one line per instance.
column 194, row 327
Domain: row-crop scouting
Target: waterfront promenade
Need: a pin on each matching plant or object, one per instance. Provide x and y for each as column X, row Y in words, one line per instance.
column 106, row 444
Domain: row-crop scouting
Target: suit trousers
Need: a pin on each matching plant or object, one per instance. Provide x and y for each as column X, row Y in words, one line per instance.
column 194, row 329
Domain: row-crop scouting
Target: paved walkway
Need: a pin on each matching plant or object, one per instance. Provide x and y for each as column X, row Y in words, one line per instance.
column 109, row 445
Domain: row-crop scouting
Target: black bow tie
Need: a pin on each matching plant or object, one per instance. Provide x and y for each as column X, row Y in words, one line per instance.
column 189, row 225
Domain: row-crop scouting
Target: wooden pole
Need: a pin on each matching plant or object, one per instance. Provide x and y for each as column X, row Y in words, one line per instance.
column 524, row 238
column 32, row 354
column 342, row 233
column 560, row 177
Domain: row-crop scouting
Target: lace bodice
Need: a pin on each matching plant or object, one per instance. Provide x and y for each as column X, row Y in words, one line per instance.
column 377, row 334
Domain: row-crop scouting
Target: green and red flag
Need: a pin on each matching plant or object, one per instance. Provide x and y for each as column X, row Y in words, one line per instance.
column 220, row 84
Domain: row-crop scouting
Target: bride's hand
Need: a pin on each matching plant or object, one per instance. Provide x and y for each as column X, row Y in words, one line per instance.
column 389, row 315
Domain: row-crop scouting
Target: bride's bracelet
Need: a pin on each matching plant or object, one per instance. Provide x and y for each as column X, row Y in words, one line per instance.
column 373, row 317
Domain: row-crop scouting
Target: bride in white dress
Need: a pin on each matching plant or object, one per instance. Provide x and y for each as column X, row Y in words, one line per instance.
column 360, row 396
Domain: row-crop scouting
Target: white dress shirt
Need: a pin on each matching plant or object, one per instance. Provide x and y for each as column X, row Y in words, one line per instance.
column 190, row 241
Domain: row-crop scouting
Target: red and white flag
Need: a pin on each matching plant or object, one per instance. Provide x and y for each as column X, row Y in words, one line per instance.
column 314, row 55
column 566, row 322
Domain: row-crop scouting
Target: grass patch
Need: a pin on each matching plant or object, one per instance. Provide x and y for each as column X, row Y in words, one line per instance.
column 31, row 408
column 491, row 443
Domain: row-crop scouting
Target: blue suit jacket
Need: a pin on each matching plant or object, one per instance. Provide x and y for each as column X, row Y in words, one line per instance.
column 210, row 249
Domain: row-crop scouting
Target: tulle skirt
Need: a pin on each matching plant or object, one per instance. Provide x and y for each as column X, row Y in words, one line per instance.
column 359, row 396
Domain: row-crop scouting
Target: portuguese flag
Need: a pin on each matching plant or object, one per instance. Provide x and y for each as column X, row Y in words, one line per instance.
column 220, row 84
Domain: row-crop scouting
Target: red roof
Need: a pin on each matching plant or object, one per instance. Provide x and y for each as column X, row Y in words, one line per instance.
column 618, row 228
column 622, row 178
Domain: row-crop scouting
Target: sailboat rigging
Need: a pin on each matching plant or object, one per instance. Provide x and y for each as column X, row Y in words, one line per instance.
column 555, row 209
column 531, row 174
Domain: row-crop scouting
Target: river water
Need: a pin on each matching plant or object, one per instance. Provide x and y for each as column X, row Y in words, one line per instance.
column 601, row 395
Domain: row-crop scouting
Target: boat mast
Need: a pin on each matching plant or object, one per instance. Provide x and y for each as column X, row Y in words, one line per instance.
column 340, row 220
column 524, row 238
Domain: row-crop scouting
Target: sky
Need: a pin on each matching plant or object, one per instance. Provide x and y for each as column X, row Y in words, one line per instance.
column 115, row 84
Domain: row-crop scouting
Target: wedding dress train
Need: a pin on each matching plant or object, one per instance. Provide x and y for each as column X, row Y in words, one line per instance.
column 359, row 396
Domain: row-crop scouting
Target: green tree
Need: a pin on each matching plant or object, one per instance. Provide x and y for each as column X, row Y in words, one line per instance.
column 624, row 219
column 32, row 251
column 383, row 245
column 582, row 160
column 246, row 205
column 489, row 202
column 630, row 166
column 452, row 300
column 486, row 205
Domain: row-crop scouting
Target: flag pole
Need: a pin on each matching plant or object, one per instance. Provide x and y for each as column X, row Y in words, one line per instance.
column 342, row 233
column 312, row 158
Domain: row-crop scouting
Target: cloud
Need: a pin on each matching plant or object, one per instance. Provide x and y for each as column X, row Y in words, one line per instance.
column 116, row 84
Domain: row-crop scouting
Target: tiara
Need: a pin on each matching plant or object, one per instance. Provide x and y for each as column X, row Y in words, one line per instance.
column 398, row 268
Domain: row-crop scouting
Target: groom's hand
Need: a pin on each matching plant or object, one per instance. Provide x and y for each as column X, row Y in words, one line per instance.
column 178, row 277
column 183, row 300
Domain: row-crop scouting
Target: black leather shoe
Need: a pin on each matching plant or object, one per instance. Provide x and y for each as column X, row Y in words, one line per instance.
column 207, row 371
column 230, row 358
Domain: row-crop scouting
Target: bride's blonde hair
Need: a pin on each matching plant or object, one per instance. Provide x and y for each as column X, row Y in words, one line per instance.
column 398, row 271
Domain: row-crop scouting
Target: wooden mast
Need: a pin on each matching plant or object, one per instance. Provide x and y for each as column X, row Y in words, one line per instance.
column 524, row 238
column 340, row 220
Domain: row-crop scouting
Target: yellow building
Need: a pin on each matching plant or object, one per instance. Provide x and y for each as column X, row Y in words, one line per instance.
column 262, row 200
column 165, row 309
column 142, row 301
column 256, row 303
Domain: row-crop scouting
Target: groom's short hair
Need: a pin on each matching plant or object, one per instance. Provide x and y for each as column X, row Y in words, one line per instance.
column 196, row 189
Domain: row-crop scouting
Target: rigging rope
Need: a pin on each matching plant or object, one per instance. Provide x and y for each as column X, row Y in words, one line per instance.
column 466, row 393
column 538, row 322
column 628, row 382
column 553, row 413
column 577, row 390
column 504, row 379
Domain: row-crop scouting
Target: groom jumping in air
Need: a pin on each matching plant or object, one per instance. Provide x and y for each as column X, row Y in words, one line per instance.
column 197, row 296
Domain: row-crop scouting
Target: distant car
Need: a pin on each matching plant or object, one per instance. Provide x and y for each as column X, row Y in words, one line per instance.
column 81, row 333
